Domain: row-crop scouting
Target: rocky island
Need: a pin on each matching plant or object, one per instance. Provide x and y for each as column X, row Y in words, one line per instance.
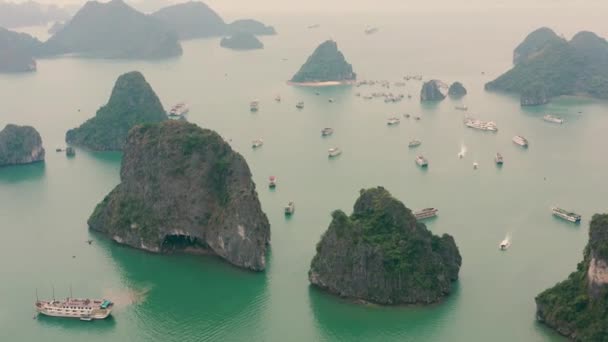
column 132, row 102
column 183, row 189
column 381, row 254
column 457, row 90
column 192, row 19
column 325, row 67
column 17, row 51
column 20, row 145
column 241, row 41
column 577, row 306
column 113, row 30
column 251, row 26
column 433, row 90
column 547, row 65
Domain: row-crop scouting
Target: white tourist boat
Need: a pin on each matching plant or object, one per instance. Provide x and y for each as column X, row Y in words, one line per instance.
column 521, row 141
column 290, row 208
column 421, row 161
column 425, row 213
column 179, row 110
column 327, row 131
column 393, row 121
column 475, row 166
column 566, row 215
column 414, row 143
column 257, row 143
column 553, row 119
column 334, row 152
column 463, row 108
column 498, row 159
column 481, row 125
column 505, row 244
column 83, row 309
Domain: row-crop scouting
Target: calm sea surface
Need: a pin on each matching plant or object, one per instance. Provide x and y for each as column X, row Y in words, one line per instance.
column 44, row 207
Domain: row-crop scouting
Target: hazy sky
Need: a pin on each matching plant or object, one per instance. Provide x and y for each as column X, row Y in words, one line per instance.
column 374, row 5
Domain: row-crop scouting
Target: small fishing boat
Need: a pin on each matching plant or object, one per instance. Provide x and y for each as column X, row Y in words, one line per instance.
column 504, row 244
column 553, row 119
column 300, row 105
column 290, row 208
column 272, row 182
column 334, row 152
column 278, row 98
column 327, row 131
column 331, row 100
column 393, row 121
column 498, row 159
column 254, row 105
column 414, row 143
column 421, row 161
column 521, row 141
column 257, row 143
column 475, row 166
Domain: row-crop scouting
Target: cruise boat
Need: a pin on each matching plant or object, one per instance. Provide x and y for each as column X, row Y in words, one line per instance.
column 334, row 152
column 505, row 244
column 415, row 143
column 327, row 131
column 566, row 215
column 481, row 125
column 257, row 143
column 521, row 141
column 425, row 213
column 498, row 159
column 178, row 110
column 393, row 121
column 83, row 309
column 300, row 105
column 463, row 108
column 254, row 105
column 290, row 208
column 553, row 119
column 421, row 161
column 272, row 182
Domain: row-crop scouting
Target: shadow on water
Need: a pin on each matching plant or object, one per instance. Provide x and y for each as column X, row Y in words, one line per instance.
column 76, row 325
column 342, row 319
column 208, row 293
column 106, row 157
column 22, row 173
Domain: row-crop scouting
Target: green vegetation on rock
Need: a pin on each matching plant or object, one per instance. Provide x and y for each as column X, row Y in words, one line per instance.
column 20, row 145
column 550, row 66
column 381, row 254
column 17, row 51
column 181, row 183
column 578, row 306
column 132, row 102
column 326, row 64
column 241, row 41
column 457, row 90
column 113, row 30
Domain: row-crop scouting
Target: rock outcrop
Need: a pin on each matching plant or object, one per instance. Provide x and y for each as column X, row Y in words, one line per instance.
column 381, row 254
column 577, row 306
column 132, row 102
column 251, row 26
column 17, row 51
column 192, row 19
column 433, row 90
column 326, row 64
column 20, row 145
column 241, row 41
column 113, row 30
column 559, row 67
column 184, row 189
column 457, row 90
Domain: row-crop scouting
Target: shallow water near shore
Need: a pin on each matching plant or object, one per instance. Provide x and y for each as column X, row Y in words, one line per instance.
column 44, row 207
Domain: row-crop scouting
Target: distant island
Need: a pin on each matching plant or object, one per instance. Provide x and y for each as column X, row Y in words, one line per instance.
column 20, row 145
column 241, row 41
column 132, row 102
column 17, row 51
column 547, row 66
column 57, row 26
column 457, row 90
column 29, row 13
column 113, row 30
column 192, row 19
column 251, row 26
column 433, row 90
column 325, row 67
column 577, row 306
column 381, row 254
column 183, row 189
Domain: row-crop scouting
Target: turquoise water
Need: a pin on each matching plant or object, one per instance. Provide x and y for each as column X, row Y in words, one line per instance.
column 44, row 207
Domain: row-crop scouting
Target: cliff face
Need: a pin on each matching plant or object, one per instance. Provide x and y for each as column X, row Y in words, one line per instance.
column 433, row 90
column 241, row 41
column 17, row 51
column 132, row 102
column 326, row 64
column 184, row 189
column 577, row 306
column 457, row 90
column 380, row 254
column 113, row 30
column 20, row 145
column 560, row 67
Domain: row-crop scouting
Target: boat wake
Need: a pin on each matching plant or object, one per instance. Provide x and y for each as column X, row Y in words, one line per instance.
column 463, row 151
column 125, row 297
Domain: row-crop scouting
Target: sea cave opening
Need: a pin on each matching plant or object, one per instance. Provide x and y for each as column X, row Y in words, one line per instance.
column 183, row 243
